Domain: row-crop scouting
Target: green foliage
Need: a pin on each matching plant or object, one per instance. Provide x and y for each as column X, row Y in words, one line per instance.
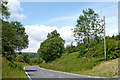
column 53, row 34
column 88, row 26
column 36, row 60
column 8, row 38
column 23, row 58
column 70, row 48
column 13, row 38
column 9, row 68
column 81, row 52
column 112, row 49
column 84, row 60
column 51, row 48
column 71, row 63
column 22, row 38
column 11, row 64
column 33, row 55
column 5, row 11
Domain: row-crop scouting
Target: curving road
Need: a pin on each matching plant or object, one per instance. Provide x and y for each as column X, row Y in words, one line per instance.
column 37, row 73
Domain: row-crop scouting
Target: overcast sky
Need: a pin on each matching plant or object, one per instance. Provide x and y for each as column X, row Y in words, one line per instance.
column 40, row 18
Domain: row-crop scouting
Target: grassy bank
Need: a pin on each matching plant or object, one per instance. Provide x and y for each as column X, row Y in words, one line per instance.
column 84, row 66
column 90, row 62
column 104, row 69
column 0, row 67
column 13, row 72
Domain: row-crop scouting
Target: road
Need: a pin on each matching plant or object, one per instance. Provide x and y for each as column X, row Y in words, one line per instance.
column 37, row 73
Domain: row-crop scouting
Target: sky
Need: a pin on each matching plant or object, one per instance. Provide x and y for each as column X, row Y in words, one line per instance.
column 41, row 18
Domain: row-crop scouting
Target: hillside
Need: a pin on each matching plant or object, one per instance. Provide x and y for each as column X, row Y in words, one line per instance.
column 15, row 70
column 0, row 66
column 91, row 62
column 84, row 66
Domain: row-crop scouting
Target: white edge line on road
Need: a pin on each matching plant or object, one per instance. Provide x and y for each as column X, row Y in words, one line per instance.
column 27, row 74
column 70, row 73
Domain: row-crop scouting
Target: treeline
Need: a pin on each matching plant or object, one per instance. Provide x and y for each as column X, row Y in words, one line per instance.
column 97, row 49
column 30, row 58
column 14, row 37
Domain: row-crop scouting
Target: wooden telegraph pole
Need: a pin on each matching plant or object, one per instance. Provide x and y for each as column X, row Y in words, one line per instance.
column 104, row 39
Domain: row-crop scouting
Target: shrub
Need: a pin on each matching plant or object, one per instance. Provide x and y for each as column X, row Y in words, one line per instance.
column 51, row 49
column 11, row 64
column 23, row 58
column 81, row 52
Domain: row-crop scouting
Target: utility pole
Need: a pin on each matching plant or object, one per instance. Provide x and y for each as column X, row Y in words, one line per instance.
column 104, row 39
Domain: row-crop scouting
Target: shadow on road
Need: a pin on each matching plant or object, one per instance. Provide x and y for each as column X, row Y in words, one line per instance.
column 30, row 70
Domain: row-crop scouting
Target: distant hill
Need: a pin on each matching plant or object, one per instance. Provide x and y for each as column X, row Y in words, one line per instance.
column 32, row 55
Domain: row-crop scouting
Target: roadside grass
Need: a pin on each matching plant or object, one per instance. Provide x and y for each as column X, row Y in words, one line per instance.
column 104, row 69
column 84, row 66
column 13, row 72
column 0, row 66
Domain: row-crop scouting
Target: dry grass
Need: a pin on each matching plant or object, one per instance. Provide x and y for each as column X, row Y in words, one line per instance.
column 104, row 69
column 119, row 66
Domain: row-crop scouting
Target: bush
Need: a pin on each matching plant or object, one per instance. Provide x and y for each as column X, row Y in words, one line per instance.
column 51, row 49
column 11, row 64
column 36, row 60
column 81, row 52
column 113, row 49
column 23, row 58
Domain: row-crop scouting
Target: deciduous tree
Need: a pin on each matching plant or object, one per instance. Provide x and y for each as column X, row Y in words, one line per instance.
column 88, row 25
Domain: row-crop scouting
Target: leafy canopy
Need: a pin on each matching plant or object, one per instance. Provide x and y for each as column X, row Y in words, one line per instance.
column 4, row 9
column 51, row 48
column 88, row 26
column 13, row 38
column 53, row 34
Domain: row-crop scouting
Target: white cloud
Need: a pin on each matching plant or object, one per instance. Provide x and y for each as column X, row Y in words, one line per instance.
column 38, row 34
column 14, row 7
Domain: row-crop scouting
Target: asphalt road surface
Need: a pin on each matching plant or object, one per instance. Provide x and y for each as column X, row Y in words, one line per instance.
column 37, row 73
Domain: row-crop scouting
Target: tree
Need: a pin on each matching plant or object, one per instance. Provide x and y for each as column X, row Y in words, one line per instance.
column 70, row 48
column 53, row 34
column 22, row 38
column 5, row 11
column 8, row 37
column 4, row 14
column 51, row 48
column 13, row 38
column 13, row 34
column 88, row 26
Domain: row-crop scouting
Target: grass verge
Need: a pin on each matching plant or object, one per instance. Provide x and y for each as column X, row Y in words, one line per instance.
column 0, row 66
column 13, row 72
column 84, row 66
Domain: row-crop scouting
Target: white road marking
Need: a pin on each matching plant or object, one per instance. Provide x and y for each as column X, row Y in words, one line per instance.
column 27, row 74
